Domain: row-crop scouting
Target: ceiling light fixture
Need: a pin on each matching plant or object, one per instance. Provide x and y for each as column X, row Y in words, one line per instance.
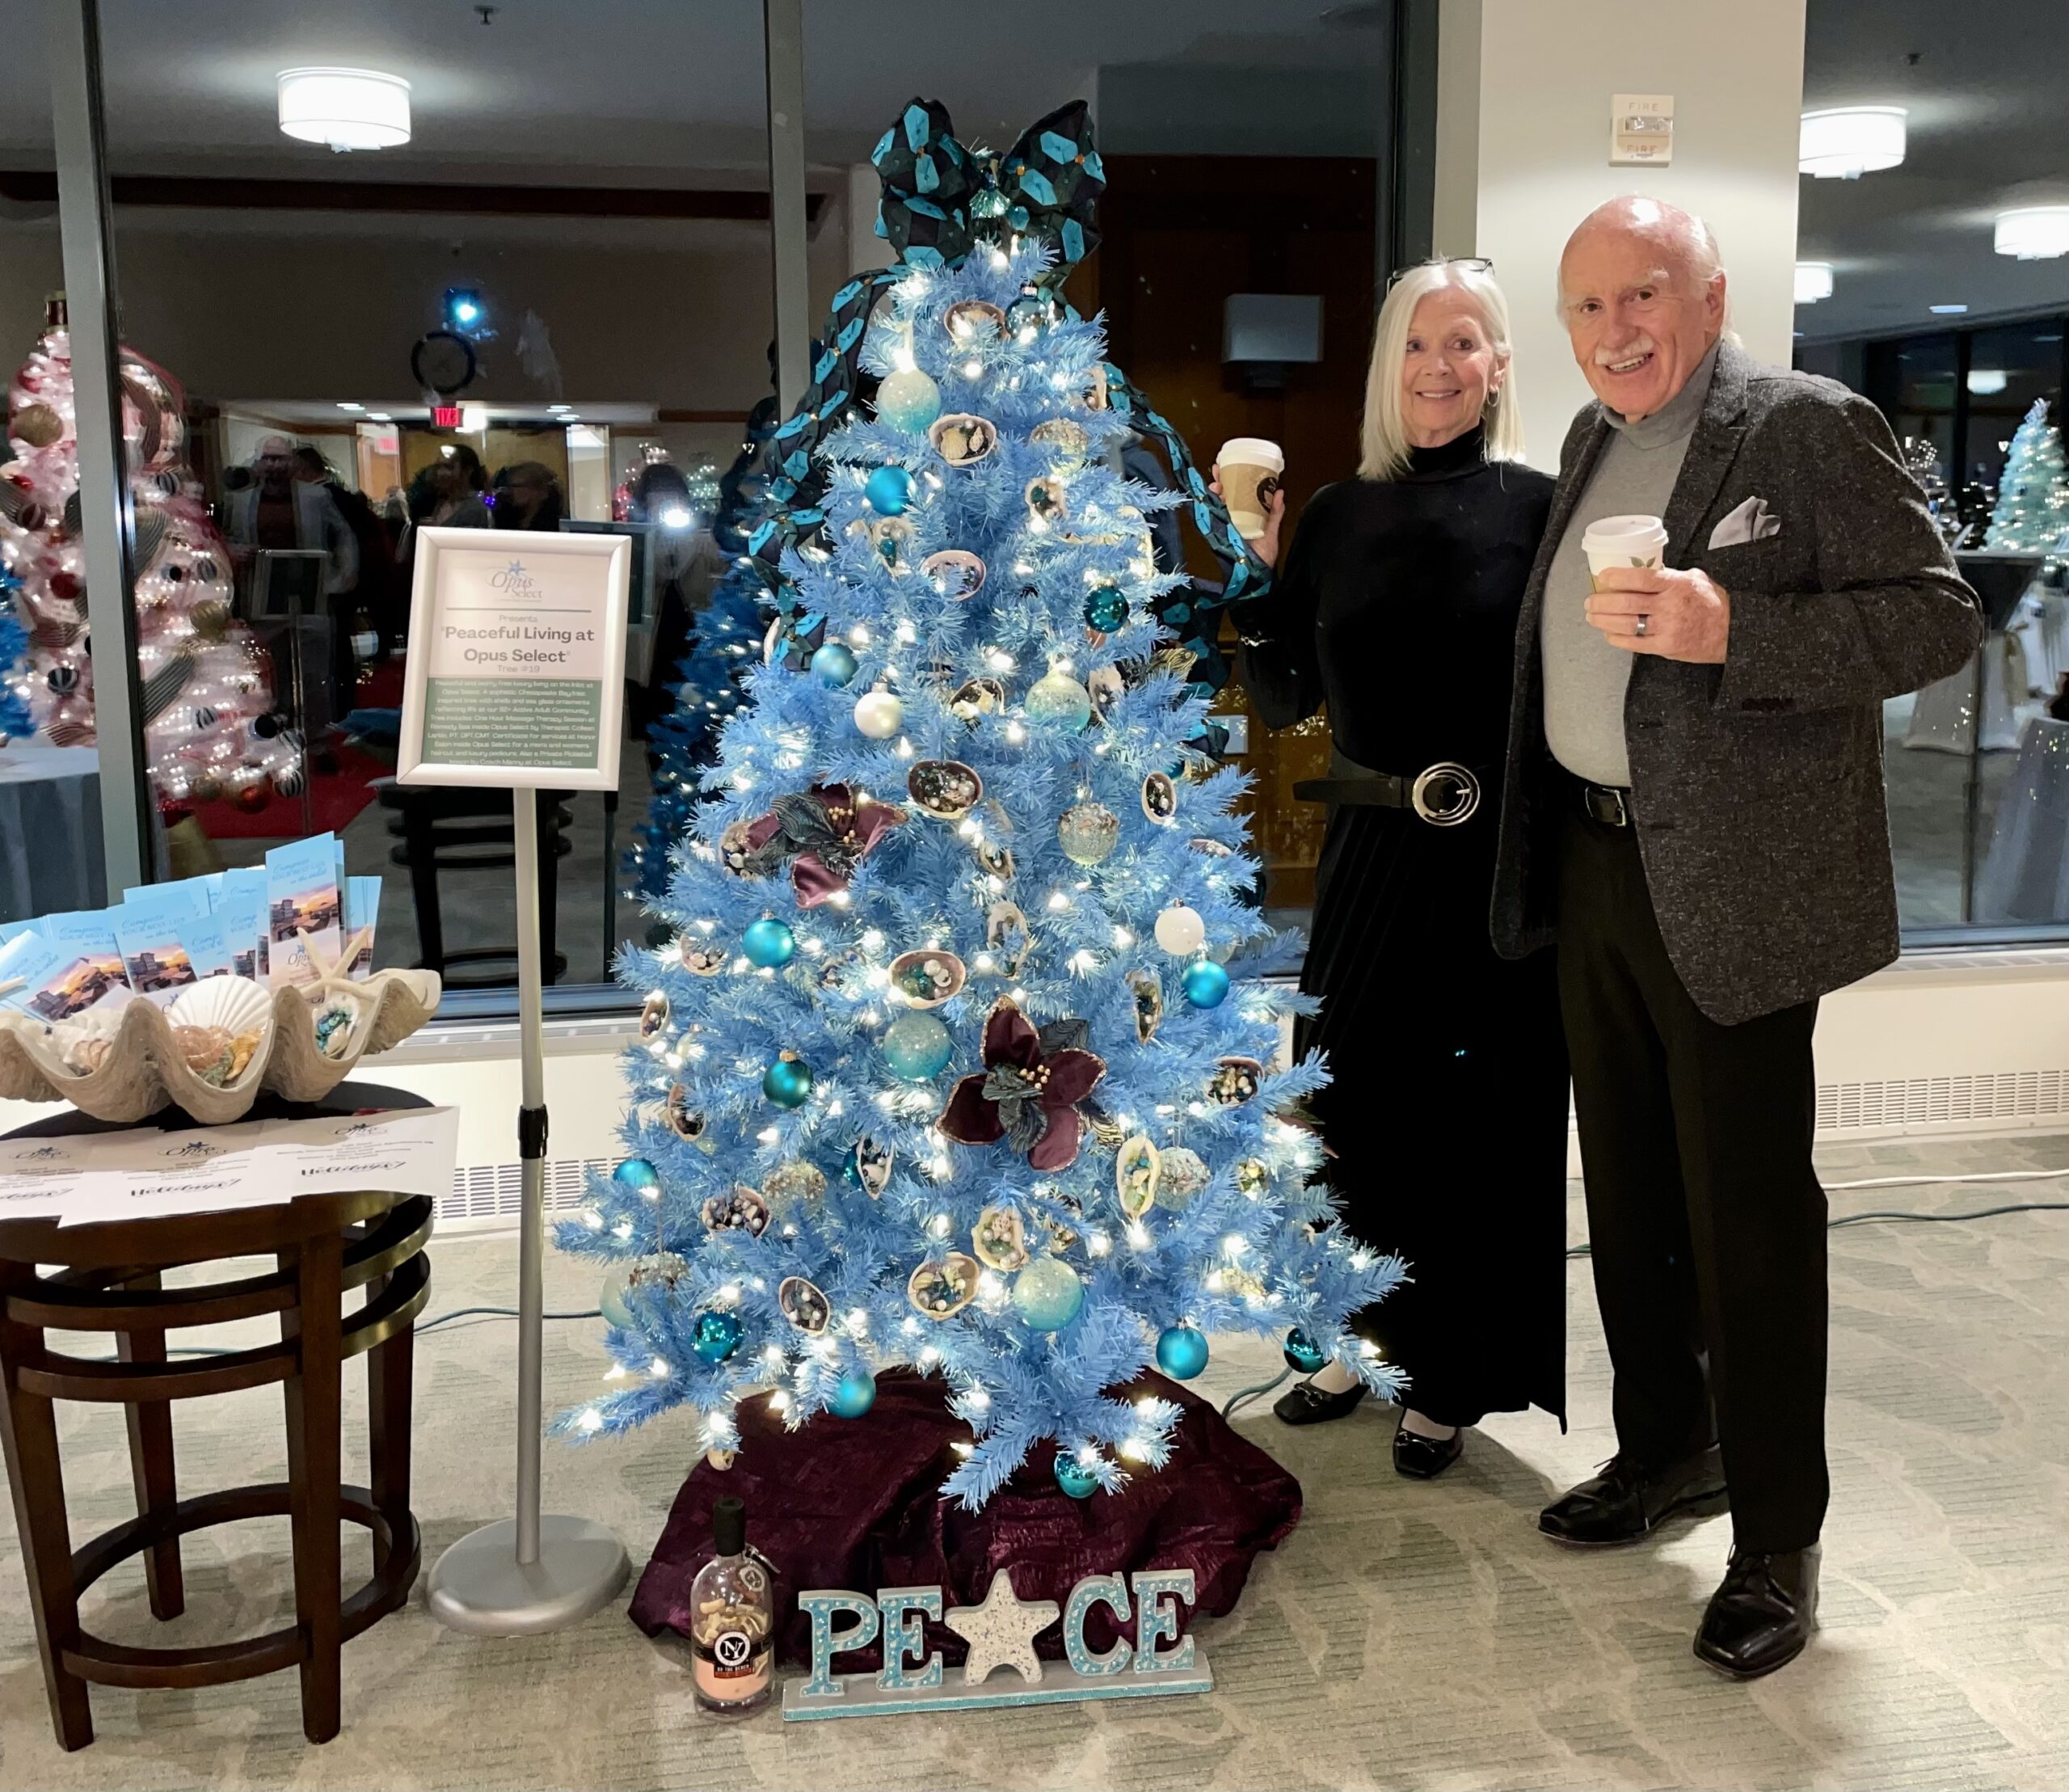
column 1986, row 381
column 1946, row 310
column 1814, row 281
column 2034, row 233
column 380, row 416
column 347, row 404
column 1845, row 142
column 347, row 108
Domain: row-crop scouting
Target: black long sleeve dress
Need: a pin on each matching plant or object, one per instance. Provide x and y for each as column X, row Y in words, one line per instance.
column 1448, row 1110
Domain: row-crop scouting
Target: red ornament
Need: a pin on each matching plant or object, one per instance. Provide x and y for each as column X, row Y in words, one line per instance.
column 251, row 797
column 65, row 585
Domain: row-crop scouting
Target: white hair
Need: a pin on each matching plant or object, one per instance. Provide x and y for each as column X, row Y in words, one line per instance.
column 1383, row 440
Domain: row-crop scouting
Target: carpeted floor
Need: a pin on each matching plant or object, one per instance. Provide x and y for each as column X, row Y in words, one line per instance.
column 1406, row 1635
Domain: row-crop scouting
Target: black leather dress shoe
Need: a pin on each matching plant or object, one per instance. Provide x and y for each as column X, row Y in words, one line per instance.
column 1628, row 1501
column 1306, row 1404
column 1422, row 1458
column 1763, row 1615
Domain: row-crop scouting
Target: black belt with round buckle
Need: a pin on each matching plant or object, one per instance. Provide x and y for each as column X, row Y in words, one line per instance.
column 1444, row 795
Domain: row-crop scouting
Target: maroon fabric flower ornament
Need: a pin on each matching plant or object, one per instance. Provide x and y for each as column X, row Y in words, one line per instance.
column 1030, row 1089
column 825, row 834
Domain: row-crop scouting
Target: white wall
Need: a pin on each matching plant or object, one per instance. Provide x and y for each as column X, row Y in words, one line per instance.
column 1523, row 155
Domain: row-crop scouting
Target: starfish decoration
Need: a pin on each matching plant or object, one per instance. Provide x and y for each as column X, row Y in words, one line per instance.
column 335, row 973
column 1001, row 1631
column 1030, row 1089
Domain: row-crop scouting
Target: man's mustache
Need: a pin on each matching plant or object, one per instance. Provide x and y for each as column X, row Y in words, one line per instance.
column 1622, row 351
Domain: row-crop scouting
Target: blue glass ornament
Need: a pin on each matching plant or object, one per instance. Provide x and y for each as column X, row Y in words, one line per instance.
column 917, row 1046
column 834, row 664
column 768, row 943
column 716, row 1336
column 1302, row 1353
column 1030, row 311
column 908, row 400
column 1206, row 983
column 1048, row 1294
column 636, row 1176
column 1182, row 1352
column 1057, row 697
column 888, row 490
column 1107, row 608
column 853, row 1394
column 1077, row 1480
column 787, row 1082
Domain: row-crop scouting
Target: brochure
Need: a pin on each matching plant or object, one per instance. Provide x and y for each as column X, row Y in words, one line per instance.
column 362, row 919
column 241, row 900
column 88, row 973
column 303, row 907
column 147, row 929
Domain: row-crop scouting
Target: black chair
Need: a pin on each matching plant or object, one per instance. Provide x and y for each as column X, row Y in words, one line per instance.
column 450, row 828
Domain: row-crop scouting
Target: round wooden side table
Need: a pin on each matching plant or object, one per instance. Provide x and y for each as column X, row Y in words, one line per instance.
column 111, row 1278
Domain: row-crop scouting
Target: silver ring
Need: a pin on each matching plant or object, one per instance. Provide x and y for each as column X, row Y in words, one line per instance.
column 1445, row 795
column 1644, row 623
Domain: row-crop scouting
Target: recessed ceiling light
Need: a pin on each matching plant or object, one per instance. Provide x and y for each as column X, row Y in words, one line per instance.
column 1985, row 381
column 1814, row 281
column 2034, row 233
column 569, row 416
column 347, row 404
column 1845, row 142
column 347, row 108
column 1946, row 310
column 379, row 416
column 557, row 408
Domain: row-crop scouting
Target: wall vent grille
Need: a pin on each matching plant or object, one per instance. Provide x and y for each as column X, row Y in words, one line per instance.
column 489, row 1195
column 1907, row 1104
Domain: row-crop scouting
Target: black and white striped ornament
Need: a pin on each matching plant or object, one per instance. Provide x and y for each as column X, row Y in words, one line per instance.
column 205, row 716
column 288, row 781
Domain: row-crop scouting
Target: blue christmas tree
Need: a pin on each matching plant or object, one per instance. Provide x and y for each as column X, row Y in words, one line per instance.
column 962, row 1054
column 15, row 720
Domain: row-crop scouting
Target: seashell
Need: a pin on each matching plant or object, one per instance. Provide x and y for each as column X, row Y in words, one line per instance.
column 1061, row 433
column 891, row 539
column 1137, row 1170
column 973, row 321
column 653, row 1015
column 1211, row 848
column 1000, row 1239
column 869, row 1165
column 954, row 572
column 734, row 851
column 237, row 1005
column 1252, row 1177
column 1097, row 395
column 1235, row 1080
column 88, row 1053
column 1185, row 1174
column 1007, row 933
column 995, row 858
column 980, row 696
column 700, row 958
column 1045, row 501
column 1104, row 685
column 946, row 789
column 684, row 1120
column 941, row 1290
column 927, row 978
column 804, row 1304
column 740, row 1209
column 793, row 1182
column 205, row 1051
column 1159, row 797
column 961, row 438
column 1147, row 989
column 721, row 1459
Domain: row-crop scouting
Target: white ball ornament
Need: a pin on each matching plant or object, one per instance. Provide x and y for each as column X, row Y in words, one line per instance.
column 880, row 715
column 1180, row 931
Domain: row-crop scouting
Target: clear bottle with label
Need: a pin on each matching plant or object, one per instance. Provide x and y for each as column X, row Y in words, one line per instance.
column 733, row 1623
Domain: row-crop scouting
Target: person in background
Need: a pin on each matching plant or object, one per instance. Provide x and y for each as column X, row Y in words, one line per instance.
column 1693, row 808
column 361, row 619
column 457, row 483
column 687, row 564
column 278, row 510
column 1397, row 610
column 528, row 496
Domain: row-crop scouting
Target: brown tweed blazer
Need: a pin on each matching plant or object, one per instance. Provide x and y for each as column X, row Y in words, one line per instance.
column 1757, row 785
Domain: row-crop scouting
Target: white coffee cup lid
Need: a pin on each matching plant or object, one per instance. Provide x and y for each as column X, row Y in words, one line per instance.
column 1625, row 529
column 1253, row 451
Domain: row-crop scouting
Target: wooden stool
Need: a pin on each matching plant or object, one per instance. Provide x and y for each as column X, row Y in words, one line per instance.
column 110, row 1278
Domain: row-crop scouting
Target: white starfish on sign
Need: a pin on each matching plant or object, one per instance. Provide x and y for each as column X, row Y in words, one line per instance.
column 1001, row 1631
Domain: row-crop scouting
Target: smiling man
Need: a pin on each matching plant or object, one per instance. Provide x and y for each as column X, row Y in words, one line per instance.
column 1693, row 808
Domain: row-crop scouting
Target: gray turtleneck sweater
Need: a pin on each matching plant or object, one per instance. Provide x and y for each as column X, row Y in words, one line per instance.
column 1585, row 677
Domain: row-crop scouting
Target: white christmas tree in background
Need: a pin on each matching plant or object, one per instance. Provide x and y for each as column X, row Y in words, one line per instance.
column 2032, row 513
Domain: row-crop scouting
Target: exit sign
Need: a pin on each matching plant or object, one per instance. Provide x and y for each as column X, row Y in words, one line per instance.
column 445, row 416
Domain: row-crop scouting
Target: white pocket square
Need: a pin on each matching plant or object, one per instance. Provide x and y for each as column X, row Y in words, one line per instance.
column 1751, row 521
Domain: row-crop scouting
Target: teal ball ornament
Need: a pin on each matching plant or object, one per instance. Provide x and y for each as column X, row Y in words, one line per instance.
column 611, row 1298
column 1048, row 1294
column 715, row 1337
column 1302, row 1353
column 1058, row 697
column 853, row 1394
column 1106, row 610
column 888, row 490
column 908, row 400
column 1206, row 984
column 834, row 664
column 636, row 1176
column 1077, row 1480
column 787, row 1082
column 768, row 943
column 1182, row 1352
column 917, row 1046
column 1030, row 311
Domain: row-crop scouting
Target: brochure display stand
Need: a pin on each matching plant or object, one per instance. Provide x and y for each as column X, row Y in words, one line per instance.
column 515, row 681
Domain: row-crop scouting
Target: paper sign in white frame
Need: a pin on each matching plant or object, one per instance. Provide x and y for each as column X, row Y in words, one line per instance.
column 574, row 586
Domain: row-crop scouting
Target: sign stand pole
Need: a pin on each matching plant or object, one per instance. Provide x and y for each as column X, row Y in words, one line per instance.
column 525, row 1575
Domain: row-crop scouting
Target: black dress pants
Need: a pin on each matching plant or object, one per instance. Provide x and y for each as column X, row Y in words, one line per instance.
column 1705, row 1214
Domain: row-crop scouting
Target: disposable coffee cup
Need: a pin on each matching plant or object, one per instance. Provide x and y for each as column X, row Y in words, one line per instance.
column 1249, row 468
column 1623, row 541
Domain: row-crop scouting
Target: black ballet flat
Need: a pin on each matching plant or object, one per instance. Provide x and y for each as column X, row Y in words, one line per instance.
column 1306, row 1404
column 1422, row 1458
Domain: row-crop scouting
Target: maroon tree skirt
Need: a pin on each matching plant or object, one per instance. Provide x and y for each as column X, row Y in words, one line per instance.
column 856, row 1504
